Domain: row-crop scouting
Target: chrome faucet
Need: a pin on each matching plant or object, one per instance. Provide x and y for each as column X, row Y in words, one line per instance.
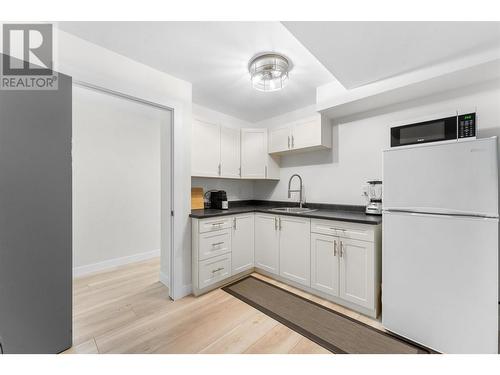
column 295, row 191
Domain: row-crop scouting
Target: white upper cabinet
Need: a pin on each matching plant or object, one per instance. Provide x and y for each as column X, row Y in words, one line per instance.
column 308, row 134
column 215, row 150
column 280, row 140
column 219, row 151
column 253, row 156
column 229, row 152
column 256, row 163
column 205, row 157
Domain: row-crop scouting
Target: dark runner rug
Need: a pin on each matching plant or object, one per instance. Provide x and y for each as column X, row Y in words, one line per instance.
column 334, row 331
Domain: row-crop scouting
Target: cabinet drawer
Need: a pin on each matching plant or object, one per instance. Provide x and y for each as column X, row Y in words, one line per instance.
column 214, row 270
column 343, row 229
column 215, row 243
column 209, row 225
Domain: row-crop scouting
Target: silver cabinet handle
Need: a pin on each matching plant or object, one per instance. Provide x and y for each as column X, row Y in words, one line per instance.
column 220, row 169
column 266, row 171
column 288, row 141
column 234, row 223
column 275, row 223
column 218, row 223
column 218, row 269
column 334, row 248
column 279, row 219
column 217, row 244
column 293, row 142
column 239, row 171
column 341, row 250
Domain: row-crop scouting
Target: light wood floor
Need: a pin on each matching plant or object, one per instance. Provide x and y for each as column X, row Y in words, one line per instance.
column 127, row 310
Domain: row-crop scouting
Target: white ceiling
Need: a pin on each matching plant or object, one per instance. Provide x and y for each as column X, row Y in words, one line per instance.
column 214, row 56
column 358, row 53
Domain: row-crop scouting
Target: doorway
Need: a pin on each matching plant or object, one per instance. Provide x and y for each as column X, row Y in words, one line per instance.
column 122, row 181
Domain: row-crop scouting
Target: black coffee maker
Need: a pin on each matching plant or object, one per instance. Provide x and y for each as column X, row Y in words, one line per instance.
column 218, row 199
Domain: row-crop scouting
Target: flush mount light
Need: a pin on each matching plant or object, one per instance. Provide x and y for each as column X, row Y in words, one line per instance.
column 269, row 71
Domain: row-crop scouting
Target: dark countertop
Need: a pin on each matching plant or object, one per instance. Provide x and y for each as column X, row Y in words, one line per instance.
column 354, row 214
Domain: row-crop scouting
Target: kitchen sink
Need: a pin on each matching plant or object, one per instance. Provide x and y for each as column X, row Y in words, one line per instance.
column 294, row 210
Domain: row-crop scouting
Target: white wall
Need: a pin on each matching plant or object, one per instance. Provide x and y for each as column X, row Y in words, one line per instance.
column 207, row 114
column 88, row 62
column 116, row 180
column 338, row 175
column 236, row 189
column 283, row 119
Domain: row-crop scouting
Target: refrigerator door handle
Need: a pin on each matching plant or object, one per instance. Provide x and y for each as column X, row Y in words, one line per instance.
column 439, row 211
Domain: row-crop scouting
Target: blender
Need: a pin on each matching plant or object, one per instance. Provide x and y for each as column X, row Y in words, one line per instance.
column 374, row 197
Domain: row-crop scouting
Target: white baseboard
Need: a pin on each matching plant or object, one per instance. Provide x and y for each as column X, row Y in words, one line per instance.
column 112, row 263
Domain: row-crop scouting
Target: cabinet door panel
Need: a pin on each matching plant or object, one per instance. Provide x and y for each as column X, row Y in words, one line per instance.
column 230, row 152
column 279, row 140
column 214, row 243
column 295, row 249
column 242, row 243
column 267, row 243
column 206, row 149
column 324, row 264
column 357, row 272
column 253, row 153
column 214, row 270
column 306, row 134
column 215, row 224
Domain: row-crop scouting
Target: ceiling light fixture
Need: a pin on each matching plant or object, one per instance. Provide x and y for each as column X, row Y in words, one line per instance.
column 269, row 71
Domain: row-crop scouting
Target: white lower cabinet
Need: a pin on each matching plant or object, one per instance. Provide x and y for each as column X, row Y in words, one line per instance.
column 267, row 242
column 214, row 269
column 357, row 282
column 340, row 261
column 324, row 264
column 295, row 249
column 345, row 267
column 282, row 246
column 221, row 247
column 214, row 243
column 242, row 238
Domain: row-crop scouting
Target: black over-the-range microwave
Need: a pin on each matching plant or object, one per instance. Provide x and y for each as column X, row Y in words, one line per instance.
column 448, row 128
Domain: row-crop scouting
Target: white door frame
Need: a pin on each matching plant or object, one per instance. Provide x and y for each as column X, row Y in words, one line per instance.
column 171, row 202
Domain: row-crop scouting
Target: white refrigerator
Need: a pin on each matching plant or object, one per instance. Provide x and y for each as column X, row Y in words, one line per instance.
column 440, row 245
